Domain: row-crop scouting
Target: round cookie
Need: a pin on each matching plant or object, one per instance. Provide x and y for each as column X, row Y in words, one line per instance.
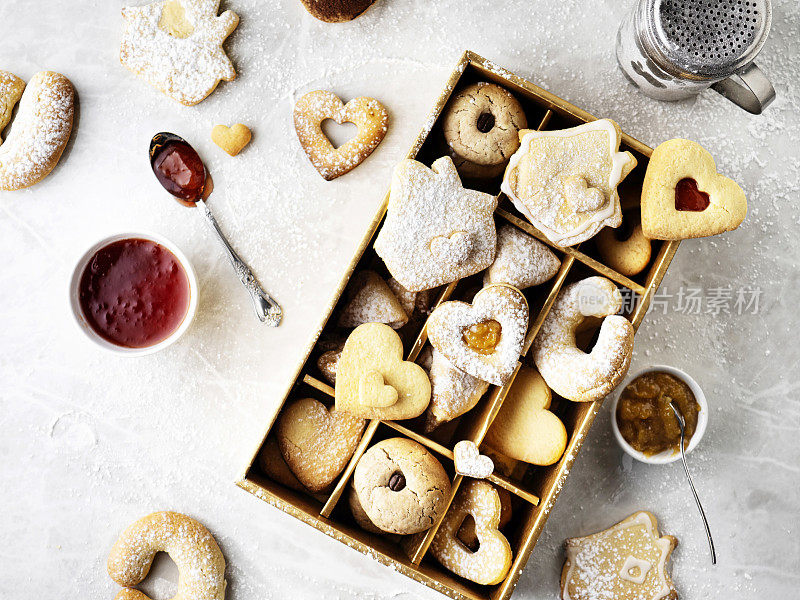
column 627, row 255
column 401, row 486
column 482, row 123
column 358, row 512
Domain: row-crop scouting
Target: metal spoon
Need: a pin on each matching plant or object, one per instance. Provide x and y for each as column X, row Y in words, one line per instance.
column 682, row 425
column 179, row 168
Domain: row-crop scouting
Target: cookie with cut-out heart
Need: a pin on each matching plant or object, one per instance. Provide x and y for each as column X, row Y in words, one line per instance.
column 468, row 461
column 490, row 563
column 484, row 338
column 367, row 114
column 436, row 230
column 231, row 139
column 317, row 442
column 627, row 561
column 336, row 11
column 684, row 197
column 176, row 46
column 525, row 429
column 374, row 382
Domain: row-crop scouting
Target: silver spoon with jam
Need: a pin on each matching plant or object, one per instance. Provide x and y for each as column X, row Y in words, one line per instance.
column 178, row 168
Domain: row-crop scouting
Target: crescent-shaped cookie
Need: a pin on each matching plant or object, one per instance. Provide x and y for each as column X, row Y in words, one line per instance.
column 39, row 133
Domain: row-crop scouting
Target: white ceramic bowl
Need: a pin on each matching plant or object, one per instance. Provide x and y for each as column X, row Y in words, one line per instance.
column 104, row 343
column 667, row 456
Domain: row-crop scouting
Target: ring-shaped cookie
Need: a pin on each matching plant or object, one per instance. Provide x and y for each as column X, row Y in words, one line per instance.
column 569, row 371
column 482, row 124
column 39, row 133
column 401, row 486
column 627, row 255
column 201, row 566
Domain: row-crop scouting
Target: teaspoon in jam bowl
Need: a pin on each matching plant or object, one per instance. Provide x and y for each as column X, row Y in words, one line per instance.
column 181, row 171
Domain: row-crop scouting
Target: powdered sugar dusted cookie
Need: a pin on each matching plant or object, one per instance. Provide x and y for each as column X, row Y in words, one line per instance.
column 40, row 131
column 176, row 46
column 436, row 231
column 565, row 181
column 627, row 561
column 483, row 338
column 490, row 563
column 370, row 300
column 11, row 88
column 201, row 566
column 568, row 370
column 468, row 460
column 521, row 260
column 453, row 392
column 367, row 114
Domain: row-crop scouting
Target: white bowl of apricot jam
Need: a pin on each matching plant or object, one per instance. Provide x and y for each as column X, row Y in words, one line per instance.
column 133, row 293
column 643, row 422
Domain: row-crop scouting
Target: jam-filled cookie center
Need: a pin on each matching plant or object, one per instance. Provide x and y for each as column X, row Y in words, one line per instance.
column 483, row 337
column 485, row 122
column 397, row 481
column 689, row 197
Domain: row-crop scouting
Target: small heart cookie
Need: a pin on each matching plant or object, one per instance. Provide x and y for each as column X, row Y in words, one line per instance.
column 683, row 196
column 457, row 246
column 491, row 562
column 367, row 114
column 317, row 442
column 524, row 429
column 484, row 338
column 470, row 462
column 371, row 352
column 231, row 139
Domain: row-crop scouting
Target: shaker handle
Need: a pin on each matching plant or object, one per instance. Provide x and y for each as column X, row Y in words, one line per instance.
column 748, row 88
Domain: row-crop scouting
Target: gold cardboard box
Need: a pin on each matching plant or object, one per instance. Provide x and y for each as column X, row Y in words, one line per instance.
column 534, row 489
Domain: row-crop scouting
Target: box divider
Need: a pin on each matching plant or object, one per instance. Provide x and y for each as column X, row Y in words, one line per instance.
column 566, row 265
column 577, row 254
column 419, row 343
column 419, row 549
column 337, row 492
column 545, row 120
column 654, row 279
column 319, row 385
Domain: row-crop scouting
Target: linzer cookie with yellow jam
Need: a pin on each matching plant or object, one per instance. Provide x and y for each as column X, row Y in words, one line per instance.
column 565, row 181
column 436, row 230
column 484, row 338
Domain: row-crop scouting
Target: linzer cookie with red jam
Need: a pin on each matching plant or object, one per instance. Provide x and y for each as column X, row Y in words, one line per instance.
column 436, row 230
column 684, row 197
column 367, row 114
column 484, row 338
column 627, row 561
column 565, row 181
column 176, row 46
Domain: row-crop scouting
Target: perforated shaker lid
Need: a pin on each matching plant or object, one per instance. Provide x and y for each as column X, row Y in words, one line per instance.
column 710, row 38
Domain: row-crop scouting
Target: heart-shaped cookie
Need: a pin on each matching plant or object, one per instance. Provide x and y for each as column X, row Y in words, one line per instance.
column 470, row 462
column 457, row 247
column 373, row 391
column 524, row 429
column 484, row 338
column 489, row 564
column 231, row 139
column 317, row 442
column 683, row 196
column 367, row 114
column 374, row 350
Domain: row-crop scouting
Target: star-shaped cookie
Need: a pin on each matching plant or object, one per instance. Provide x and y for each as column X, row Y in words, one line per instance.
column 176, row 46
column 436, row 230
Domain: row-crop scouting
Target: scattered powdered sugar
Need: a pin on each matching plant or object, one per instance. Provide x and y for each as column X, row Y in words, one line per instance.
column 436, row 231
column 40, row 132
column 570, row 372
column 500, row 303
column 185, row 68
column 521, row 260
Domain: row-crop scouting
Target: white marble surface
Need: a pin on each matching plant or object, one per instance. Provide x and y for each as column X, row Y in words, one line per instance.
column 91, row 441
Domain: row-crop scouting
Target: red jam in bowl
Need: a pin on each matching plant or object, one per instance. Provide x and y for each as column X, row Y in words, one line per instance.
column 134, row 293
